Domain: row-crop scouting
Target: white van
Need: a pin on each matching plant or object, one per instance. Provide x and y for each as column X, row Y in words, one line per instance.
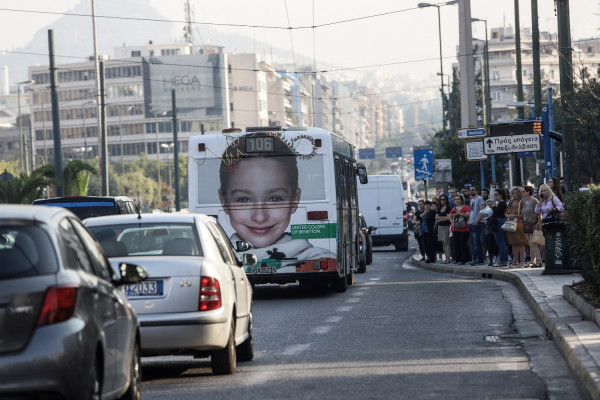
column 381, row 202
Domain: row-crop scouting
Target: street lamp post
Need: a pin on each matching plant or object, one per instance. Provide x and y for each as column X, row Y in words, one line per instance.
column 121, row 134
column 423, row 5
column 22, row 152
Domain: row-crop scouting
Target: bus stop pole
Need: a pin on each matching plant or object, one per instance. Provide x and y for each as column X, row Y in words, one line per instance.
column 547, row 161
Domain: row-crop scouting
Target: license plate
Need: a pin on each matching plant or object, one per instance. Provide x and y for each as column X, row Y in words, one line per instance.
column 264, row 270
column 145, row 288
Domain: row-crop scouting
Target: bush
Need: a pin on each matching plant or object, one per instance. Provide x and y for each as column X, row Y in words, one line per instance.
column 582, row 212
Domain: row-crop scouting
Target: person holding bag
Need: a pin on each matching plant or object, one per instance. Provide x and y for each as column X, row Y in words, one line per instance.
column 499, row 210
column 530, row 221
column 550, row 206
column 517, row 239
column 459, row 226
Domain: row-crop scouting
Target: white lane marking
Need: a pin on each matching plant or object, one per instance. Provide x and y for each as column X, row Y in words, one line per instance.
column 293, row 350
column 352, row 300
column 321, row 329
column 344, row 309
column 358, row 294
column 334, row 319
column 374, row 279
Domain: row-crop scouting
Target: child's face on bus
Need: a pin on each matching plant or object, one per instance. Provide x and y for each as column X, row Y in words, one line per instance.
column 259, row 201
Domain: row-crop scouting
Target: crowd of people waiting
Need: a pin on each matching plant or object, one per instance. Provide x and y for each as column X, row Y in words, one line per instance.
column 471, row 226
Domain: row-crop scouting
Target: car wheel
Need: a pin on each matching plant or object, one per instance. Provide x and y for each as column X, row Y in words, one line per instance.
column 245, row 351
column 362, row 267
column 223, row 361
column 96, row 381
column 369, row 256
column 134, row 392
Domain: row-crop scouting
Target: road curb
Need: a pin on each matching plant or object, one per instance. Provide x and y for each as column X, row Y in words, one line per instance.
column 560, row 330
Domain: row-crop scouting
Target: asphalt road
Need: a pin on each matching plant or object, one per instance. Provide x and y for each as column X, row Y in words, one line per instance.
column 399, row 333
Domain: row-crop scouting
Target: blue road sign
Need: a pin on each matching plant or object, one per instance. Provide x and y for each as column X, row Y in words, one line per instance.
column 368, row 153
column 393, row 152
column 423, row 164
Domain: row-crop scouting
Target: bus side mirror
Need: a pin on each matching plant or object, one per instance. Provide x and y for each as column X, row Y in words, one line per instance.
column 361, row 171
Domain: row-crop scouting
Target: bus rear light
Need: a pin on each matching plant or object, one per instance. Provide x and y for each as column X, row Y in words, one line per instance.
column 316, row 215
column 318, row 143
column 324, row 265
column 201, row 147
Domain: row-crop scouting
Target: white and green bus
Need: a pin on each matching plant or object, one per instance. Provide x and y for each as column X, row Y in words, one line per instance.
column 289, row 191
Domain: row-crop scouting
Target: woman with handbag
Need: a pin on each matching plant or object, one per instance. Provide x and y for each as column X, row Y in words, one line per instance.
column 499, row 235
column 443, row 223
column 459, row 218
column 514, row 217
column 550, row 206
column 530, row 222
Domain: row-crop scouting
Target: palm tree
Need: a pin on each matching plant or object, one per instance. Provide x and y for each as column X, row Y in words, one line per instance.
column 76, row 175
column 22, row 189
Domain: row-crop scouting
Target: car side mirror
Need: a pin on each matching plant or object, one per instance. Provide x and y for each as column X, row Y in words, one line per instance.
column 372, row 228
column 242, row 245
column 361, row 171
column 131, row 273
column 249, row 259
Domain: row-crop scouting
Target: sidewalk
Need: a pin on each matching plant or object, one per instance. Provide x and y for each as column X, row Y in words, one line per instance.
column 574, row 329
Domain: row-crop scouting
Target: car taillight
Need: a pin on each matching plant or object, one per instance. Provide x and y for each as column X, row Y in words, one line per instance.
column 59, row 305
column 210, row 294
column 360, row 239
column 404, row 217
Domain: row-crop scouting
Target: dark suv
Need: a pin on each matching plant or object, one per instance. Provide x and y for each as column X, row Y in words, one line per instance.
column 92, row 206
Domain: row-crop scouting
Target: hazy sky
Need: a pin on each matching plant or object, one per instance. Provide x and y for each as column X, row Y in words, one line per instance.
column 401, row 34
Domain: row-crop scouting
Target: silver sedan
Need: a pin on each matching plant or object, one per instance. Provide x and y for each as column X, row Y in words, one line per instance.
column 66, row 328
column 197, row 300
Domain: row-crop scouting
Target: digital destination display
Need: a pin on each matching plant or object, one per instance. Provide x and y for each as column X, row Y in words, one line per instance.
column 260, row 144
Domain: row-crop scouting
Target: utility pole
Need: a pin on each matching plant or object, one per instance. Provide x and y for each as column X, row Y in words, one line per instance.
column 535, row 44
column 467, row 69
column 58, row 170
column 175, row 151
column 515, row 166
column 103, row 142
column 566, row 91
column 100, row 122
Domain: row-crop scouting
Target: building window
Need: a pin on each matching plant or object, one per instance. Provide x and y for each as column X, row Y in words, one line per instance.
column 230, row 106
column 136, row 53
column 589, row 50
column 496, row 75
column 524, row 72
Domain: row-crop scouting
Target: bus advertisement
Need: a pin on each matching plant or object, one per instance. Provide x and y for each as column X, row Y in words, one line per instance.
column 290, row 192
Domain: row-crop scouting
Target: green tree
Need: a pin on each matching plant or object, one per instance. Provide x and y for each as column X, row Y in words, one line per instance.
column 22, row 189
column 585, row 112
column 76, row 176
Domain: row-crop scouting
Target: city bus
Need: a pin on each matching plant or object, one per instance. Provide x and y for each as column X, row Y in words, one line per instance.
column 291, row 192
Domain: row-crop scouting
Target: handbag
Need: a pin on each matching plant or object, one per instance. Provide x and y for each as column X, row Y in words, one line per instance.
column 510, row 225
column 554, row 216
column 459, row 222
column 538, row 237
column 528, row 227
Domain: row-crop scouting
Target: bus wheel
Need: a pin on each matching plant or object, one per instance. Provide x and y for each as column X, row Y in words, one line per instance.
column 350, row 279
column 340, row 284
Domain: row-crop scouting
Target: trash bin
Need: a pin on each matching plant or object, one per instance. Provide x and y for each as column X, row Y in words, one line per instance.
column 558, row 258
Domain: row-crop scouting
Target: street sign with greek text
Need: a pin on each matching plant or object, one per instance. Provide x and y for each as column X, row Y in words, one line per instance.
column 511, row 144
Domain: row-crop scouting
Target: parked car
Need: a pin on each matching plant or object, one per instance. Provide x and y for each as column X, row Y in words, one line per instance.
column 197, row 300
column 92, row 206
column 66, row 328
column 366, row 244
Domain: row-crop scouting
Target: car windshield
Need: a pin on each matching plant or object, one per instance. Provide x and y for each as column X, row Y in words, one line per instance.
column 25, row 251
column 151, row 239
